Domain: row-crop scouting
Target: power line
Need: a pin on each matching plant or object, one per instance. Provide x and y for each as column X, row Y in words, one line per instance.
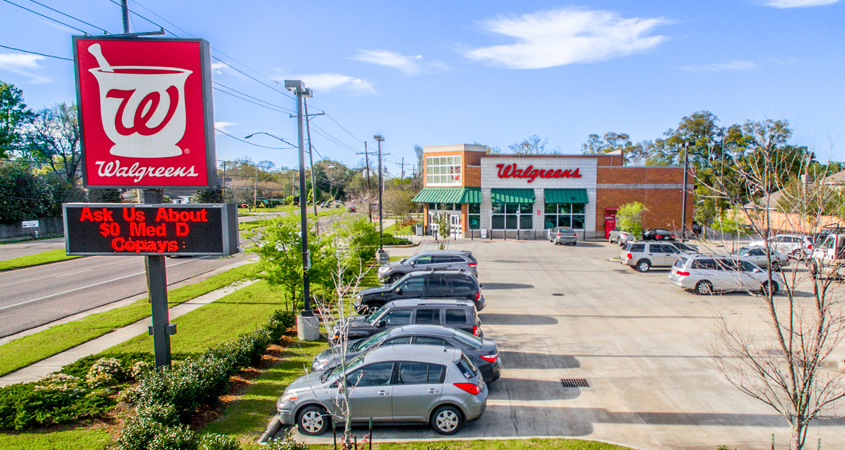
column 162, row 18
column 253, row 78
column 254, row 98
column 36, row 53
column 72, row 17
column 148, row 20
column 46, row 17
column 249, row 101
column 250, row 143
column 326, row 135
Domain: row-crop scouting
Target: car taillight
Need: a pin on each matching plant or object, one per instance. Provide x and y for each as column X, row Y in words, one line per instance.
column 659, row 236
column 809, row 246
column 683, row 274
column 475, row 330
column 558, row 235
column 472, row 264
column 574, row 234
column 630, row 256
column 491, row 358
column 477, row 295
column 469, row 387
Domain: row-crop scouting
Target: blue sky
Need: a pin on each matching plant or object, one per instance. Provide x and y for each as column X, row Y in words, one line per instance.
column 495, row 72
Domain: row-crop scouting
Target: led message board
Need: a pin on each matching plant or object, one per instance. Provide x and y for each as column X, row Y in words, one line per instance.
column 162, row 229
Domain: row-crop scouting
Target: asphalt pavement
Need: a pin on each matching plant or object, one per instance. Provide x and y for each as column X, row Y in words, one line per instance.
column 17, row 249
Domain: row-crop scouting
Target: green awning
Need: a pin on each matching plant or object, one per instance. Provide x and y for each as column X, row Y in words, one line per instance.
column 449, row 195
column 512, row 195
column 566, row 196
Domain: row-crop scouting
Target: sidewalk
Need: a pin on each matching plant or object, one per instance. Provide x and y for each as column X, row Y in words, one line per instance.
column 54, row 363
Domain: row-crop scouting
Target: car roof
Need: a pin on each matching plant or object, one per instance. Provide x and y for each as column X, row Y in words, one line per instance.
column 420, row 273
column 430, row 302
column 414, row 330
column 407, row 352
column 444, row 252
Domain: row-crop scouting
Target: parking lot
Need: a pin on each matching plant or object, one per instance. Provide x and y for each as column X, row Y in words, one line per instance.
column 561, row 312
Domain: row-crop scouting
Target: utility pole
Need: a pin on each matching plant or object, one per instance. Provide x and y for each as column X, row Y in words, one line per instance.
column 367, row 162
column 402, row 179
column 684, row 191
column 311, row 155
column 124, row 7
column 306, row 323
column 379, row 138
column 255, row 188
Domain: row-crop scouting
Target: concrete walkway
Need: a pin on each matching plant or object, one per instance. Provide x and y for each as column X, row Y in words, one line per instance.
column 54, row 363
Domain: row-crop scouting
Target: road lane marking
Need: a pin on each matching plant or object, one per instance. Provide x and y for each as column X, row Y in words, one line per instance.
column 90, row 286
column 72, row 273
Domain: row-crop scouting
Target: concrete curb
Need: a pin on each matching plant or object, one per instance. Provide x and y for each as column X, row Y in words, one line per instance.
column 272, row 428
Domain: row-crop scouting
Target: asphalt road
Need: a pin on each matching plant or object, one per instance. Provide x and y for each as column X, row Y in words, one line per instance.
column 38, row 295
column 26, row 248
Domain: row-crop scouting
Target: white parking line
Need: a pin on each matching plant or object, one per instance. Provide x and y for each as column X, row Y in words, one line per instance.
column 89, row 286
column 72, row 273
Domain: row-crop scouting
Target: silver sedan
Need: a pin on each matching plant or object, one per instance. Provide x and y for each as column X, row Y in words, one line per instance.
column 394, row 383
column 757, row 256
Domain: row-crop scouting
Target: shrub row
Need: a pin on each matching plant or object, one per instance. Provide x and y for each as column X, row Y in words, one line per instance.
column 390, row 239
column 166, row 399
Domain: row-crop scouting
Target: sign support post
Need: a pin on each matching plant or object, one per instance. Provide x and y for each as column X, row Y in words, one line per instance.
column 157, row 290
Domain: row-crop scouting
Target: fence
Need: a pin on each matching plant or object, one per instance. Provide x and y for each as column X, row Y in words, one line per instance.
column 47, row 226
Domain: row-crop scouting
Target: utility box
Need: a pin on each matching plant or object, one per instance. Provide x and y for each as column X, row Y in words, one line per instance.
column 418, row 228
column 483, row 233
column 383, row 257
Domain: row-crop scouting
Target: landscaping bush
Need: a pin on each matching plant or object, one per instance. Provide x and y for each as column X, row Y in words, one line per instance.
column 389, row 239
column 127, row 360
column 105, row 372
column 285, row 443
column 55, row 400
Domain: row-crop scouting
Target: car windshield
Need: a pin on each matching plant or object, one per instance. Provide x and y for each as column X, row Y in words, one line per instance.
column 334, row 372
column 467, row 367
column 742, row 251
column 373, row 316
column 404, row 260
column 468, row 339
column 371, row 341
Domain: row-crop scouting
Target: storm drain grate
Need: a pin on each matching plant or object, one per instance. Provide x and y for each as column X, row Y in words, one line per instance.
column 557, row 294
column 575, row 382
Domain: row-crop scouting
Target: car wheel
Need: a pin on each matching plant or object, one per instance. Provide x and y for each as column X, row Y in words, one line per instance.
column 574, row 244
column 373, row 307
column 704, row 288
column 765, row 289
column 643, row 265
column 447, row 420
column 394, row 278
column 775, row 266
column 313, row 420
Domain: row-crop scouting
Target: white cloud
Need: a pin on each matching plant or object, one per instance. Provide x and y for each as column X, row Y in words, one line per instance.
column 22, row 64
column 566, row 36
column 733, row 65
column 407, row 64
column 799, row 3
column 224, row 126
column 331, row 81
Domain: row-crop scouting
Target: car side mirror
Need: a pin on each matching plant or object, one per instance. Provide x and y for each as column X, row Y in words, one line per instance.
column 411, row 263
column 398, row 291
column 379, row 324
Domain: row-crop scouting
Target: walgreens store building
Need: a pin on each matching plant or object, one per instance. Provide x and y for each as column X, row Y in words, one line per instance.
column 520, row 197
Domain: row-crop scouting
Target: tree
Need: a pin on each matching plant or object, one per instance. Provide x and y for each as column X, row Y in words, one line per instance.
column 443, row 228
column 14, row 117
column 23, row 196
column 55, row 137
column 208, row 196
column 785, row 365
column 629, row 218
column 399, row 202
column 105, row 196
column 613, row 142
column 533, row 145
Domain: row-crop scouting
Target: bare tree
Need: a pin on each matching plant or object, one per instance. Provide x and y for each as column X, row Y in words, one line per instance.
column 54, row 136
column 783, row 360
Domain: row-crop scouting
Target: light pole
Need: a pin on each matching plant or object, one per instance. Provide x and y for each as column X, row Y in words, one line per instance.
column 684, row 191
column 380, row 138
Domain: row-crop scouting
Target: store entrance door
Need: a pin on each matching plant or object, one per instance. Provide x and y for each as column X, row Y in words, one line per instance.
column 455, row 226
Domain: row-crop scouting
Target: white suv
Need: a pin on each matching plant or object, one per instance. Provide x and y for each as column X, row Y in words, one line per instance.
column 706, row 274
column 795, row 245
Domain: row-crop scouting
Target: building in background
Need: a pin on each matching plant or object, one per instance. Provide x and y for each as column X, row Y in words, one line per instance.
column 521, row 196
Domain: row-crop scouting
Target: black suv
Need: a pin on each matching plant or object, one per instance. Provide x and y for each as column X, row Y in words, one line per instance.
column 460, row 314
column 452, row 284
column 437, row 259
column 658, row 234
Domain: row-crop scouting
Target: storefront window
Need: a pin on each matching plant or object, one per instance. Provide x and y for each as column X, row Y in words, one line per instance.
column 443, row 170
column 564, row 215
column 474, row 216
column 444, row 206
column 512, row 216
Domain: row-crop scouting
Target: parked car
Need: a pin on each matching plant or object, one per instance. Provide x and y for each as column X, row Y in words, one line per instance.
column 795, row 245
column 563, row 235
column 643, row 255
column 757, row 256
column 484, row 353
column 459, row 314
column 828, row 258
column 658, row 234
column 394, row 383
column 684, row 247
column 613, row 236
column 430, row 284
column 705, row 274
column 626, row 237
column 440, row 259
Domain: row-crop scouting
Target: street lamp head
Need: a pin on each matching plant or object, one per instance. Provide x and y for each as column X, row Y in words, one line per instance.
column 378, row 137
column 251, row 135
column 294, row 85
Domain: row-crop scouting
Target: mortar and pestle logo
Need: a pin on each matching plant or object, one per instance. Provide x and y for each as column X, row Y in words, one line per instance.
column 142, row 107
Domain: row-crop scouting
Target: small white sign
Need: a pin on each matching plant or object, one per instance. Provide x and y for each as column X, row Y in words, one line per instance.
column 490, row 212
column 29, row 224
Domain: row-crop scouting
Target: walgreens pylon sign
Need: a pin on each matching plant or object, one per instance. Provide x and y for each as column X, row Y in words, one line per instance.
column 145, row 112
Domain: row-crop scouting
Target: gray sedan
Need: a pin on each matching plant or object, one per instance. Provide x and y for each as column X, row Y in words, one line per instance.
column 394, row 383
column 757, row 256
column 563, row 235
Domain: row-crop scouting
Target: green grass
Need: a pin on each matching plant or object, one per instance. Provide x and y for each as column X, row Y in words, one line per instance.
column 213, row 323
column 247, row 416
column 77, row 439
column 47, row 257
column 244, row 226
column 35, row 347
column 395, row 229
